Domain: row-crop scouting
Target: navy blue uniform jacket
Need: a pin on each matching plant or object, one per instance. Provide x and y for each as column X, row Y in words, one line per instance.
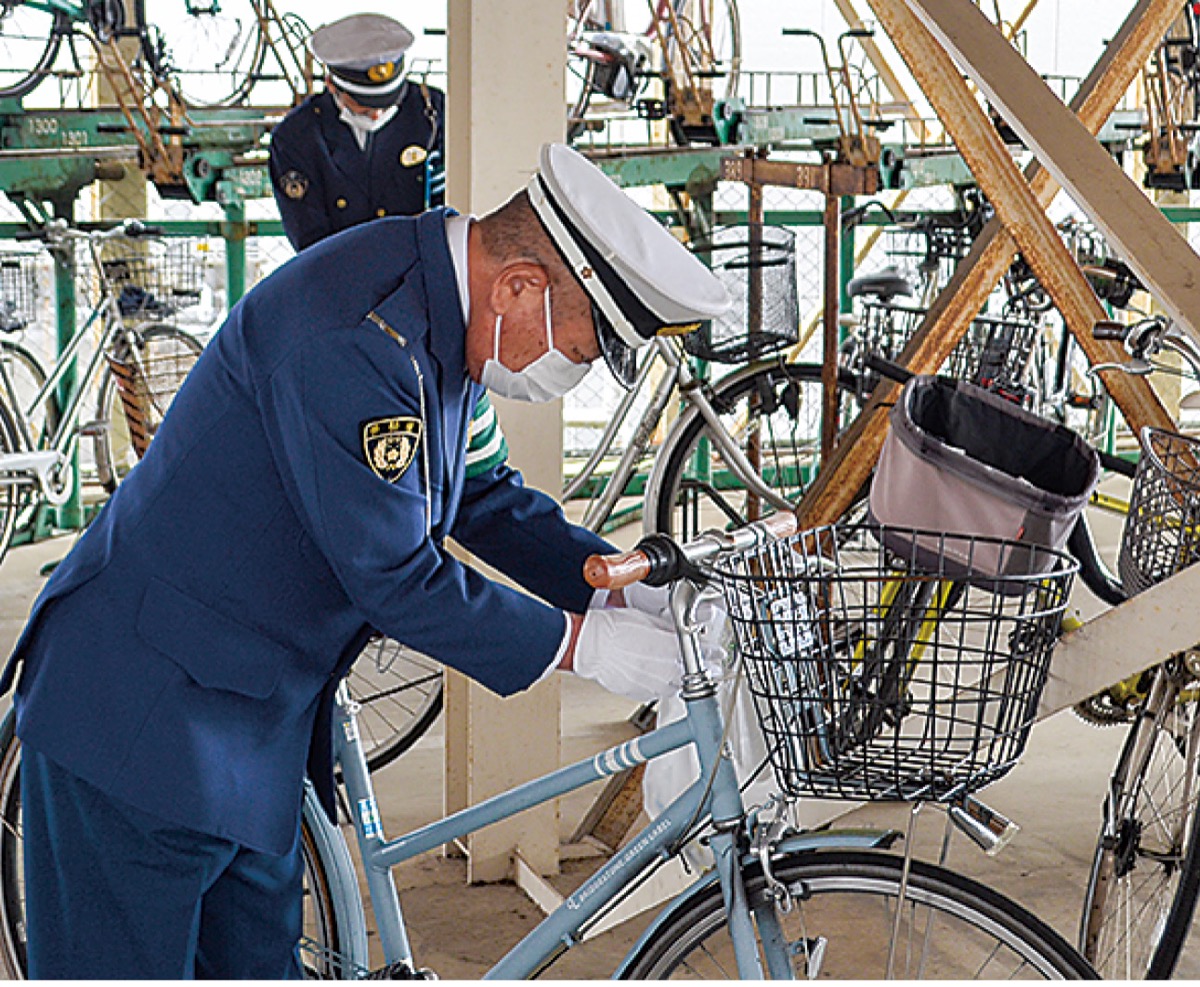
column 184, row 656
column 324, row 182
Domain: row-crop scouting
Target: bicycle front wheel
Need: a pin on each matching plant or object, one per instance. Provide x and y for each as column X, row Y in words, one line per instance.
column 400, row 694
column 30, row 36
column 1146, row 872
column 773, row 413
column 160, row 357
column 846, row 919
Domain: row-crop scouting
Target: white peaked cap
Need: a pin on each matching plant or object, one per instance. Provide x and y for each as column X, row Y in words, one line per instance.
column 641, row 280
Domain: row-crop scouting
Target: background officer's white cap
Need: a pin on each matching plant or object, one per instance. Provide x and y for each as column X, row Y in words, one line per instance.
column 365, row 55
column 641, row 280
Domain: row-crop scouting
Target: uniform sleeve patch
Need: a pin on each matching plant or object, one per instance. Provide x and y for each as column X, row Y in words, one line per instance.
column 486, row 446
column 390, row 445
column 294, row 184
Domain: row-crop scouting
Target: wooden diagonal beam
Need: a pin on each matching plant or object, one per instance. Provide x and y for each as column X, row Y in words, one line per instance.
column 1162, row 258
column 978, row 273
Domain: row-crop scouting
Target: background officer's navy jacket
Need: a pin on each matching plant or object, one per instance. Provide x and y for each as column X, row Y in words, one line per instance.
column 324, row 182
column 182, row 656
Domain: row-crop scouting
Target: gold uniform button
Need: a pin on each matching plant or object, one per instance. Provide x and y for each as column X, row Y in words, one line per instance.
column 341, row 203
column 381, row 212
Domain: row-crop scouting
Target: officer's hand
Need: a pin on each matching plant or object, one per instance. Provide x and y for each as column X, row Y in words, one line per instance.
column 629, row 653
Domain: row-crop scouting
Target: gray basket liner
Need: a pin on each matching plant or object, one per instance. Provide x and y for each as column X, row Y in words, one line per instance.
column 961, row 459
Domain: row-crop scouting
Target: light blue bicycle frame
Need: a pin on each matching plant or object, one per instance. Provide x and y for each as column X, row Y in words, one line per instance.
column 716, row 792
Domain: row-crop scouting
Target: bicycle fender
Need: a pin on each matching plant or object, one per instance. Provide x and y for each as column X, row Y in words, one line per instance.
column 333, row 853
column 825, row 839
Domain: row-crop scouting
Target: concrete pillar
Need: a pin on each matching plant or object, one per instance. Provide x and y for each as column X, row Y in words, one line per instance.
column 506, row 92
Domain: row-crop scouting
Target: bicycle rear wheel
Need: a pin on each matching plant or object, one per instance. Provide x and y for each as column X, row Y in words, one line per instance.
column 29, row 41
column 14, row 497
column 400, row 692
column 773, row 412
column 333, row 939
column 1146, row 872
column 846, row 910
column 161, row 355
column 214, row 50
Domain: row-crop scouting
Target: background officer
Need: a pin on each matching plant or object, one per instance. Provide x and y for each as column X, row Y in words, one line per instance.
column 178, row 671
column 370, row 146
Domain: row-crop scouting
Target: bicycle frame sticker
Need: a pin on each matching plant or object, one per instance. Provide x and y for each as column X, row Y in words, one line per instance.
column 621, row 758
column 368, row 814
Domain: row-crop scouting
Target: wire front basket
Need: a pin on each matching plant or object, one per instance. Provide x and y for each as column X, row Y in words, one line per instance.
column 875, row 677
column 993, row 351
column 757, row 266
column 154, row 279
column 18, row 290
column 1162, row 532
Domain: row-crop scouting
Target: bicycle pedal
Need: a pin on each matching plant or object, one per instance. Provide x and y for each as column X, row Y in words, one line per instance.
column 401, row 971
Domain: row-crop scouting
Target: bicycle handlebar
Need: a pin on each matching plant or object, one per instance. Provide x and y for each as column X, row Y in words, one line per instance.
column 58, row 231
column 660, row 560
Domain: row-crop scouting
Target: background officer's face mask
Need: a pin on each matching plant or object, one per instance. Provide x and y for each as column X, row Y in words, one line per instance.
column 548, row 377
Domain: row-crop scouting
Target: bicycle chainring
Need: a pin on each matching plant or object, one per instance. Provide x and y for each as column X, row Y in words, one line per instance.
column 1106, row 709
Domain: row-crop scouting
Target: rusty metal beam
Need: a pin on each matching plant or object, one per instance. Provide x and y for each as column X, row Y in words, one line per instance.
column 978, row 273
column 1149, row 243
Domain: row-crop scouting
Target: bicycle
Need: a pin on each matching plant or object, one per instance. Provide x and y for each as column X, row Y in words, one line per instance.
column 776, row 902
column 134, row 371
column 690, row 48
column 1145, row 876
column 207, row 54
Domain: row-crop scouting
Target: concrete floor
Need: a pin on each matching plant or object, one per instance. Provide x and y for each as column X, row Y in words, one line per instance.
column 1054, row 795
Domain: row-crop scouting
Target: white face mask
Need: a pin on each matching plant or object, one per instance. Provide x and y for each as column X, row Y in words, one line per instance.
column 361, row 125
column 548, row 377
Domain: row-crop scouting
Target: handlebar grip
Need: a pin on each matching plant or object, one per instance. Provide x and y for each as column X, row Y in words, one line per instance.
column 1116, row 464
column 616, row 571
column 888, row 369
column 1107, row 329
column 137, row 228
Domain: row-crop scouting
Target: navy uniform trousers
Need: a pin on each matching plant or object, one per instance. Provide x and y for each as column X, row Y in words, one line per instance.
column 220, row 910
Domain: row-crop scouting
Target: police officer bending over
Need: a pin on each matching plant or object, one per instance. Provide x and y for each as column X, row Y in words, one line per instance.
column 370, row 146
column 177, row 672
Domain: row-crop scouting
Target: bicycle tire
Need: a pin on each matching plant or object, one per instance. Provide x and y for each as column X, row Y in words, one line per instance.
column 27, row 377
column 214, row 52
column 682, row 502
column 29, row 44
column 12, row 876
column 1145, row 875
column 400, row 697
column 992, row 937
column 169, row 353
column 15, row 497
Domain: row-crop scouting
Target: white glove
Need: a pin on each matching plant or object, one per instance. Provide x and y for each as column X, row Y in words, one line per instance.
column 654, row 600
column 629, row 653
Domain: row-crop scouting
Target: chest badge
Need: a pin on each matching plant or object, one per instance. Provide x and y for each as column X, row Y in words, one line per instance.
column 413, row 155
column 390, row 444
column 294, row 184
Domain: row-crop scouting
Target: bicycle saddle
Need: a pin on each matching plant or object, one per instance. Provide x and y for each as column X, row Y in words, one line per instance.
column 886, row 284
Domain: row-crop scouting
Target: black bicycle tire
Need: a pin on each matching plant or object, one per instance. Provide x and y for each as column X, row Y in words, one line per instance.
column 692, row 424
column 13, row 956
column 108, row 400
column 15, row 495
column 860, row 872
column 249, row 75
column 1173, row 933
column 13, row 949
column 318, row 892
column 381, row 753
column 27, row 84
column 38, row 372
